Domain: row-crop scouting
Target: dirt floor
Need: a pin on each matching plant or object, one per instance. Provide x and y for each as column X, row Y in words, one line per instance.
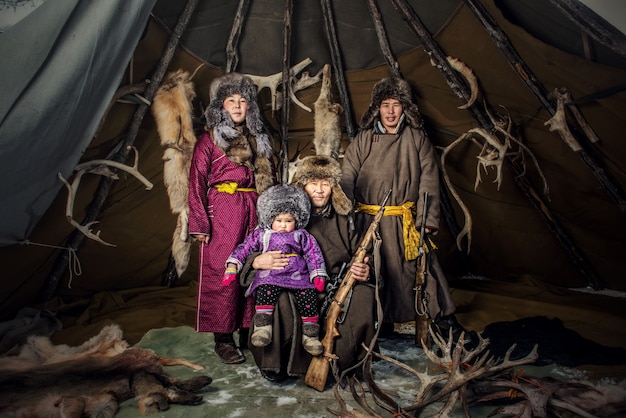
column 240, row 391
column 161, row 319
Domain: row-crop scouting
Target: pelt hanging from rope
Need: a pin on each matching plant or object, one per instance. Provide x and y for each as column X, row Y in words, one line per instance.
column 172, row 110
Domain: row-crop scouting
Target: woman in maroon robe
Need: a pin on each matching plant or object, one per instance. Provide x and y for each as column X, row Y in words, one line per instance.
column 232, row 163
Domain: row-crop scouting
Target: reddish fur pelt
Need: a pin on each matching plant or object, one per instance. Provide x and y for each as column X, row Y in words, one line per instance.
column 90, row 380
column 172, row 110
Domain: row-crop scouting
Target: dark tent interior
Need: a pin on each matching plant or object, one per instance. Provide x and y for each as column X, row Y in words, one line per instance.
column 545, row 223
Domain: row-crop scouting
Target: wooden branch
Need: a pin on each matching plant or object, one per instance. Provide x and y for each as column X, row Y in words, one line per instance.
column 335, row 53
column 232, row 55
column 593, row 25
column 483, row 120
column 284, row 123
column 95, row 207
column 569, row 134
column 383, row 40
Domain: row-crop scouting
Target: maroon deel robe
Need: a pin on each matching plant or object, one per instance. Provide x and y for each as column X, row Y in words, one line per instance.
column 227, row 219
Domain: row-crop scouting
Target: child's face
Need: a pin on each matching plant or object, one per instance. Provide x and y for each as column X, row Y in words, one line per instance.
column 237, row 107
column 284, row 223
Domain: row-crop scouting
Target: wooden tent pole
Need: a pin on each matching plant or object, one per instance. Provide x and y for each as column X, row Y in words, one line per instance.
column 593, row 25
column 525, row 73
column 483, row 120
column 383, row 40
column 232, row 47
column 335, row 53
column 394, row 68
column 95, row 207
column 284, row 123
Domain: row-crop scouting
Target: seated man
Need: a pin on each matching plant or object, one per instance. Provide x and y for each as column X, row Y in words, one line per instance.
column 332, row 228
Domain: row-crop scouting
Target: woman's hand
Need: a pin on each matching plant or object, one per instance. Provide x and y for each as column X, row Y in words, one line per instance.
column 271, row 260
column 201, row 238
column 361, row 271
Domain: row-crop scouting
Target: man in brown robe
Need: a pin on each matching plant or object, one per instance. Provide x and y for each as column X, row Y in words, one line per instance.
column 333, row 229
column 392, row 151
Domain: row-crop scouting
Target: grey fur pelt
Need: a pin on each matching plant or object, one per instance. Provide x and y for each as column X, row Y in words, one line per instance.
column 327, row 139
column 172, row 110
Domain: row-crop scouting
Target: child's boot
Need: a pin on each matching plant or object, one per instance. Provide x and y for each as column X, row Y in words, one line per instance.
column 310, row 339
column 262, row 335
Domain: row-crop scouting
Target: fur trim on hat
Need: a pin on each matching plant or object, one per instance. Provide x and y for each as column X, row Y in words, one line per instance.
column 218, row 119
column 392, row 88
column 283, row 198
column 319, row 167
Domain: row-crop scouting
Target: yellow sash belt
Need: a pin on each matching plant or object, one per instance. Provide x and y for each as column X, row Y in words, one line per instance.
column 410, row 235
column 232, row 187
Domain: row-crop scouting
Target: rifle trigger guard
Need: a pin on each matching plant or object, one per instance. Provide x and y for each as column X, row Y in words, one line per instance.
column 344, row 307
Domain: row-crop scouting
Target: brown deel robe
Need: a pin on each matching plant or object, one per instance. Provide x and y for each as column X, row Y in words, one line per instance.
column 338, row 245
column 406, row 163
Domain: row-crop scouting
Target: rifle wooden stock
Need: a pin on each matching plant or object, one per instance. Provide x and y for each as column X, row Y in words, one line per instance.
column 317, row 373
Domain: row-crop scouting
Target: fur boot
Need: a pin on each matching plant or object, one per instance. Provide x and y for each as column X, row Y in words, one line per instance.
column 310, row 339
column 262, row 335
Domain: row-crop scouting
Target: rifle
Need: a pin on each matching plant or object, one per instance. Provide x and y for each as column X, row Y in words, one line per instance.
column 317, row 373
column 422, row 321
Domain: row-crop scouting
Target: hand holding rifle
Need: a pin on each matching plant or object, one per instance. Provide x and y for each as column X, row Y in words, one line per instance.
column 317, row 372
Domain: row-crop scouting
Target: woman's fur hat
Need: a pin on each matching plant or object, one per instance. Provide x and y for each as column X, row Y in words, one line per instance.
column 283, row 198
column 218, row 119
column 392, row 88
column 319, row 167
column 256, row 152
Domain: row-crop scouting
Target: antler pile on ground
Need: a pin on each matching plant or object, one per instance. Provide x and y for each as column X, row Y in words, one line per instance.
column 471, row 376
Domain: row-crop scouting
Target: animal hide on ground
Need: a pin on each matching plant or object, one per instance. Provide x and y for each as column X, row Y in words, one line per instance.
column 327, row 140
column 90, row 380
column 172, row 110
column 557, row 344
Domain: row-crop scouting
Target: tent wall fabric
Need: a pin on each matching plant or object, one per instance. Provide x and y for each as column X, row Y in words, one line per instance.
column 67, row 58
column 511, row 242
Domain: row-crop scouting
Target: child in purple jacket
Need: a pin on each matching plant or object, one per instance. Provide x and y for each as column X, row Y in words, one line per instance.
column 283, row 211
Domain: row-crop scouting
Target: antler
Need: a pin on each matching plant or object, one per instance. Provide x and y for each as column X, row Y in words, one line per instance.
column 273, row 81
column 97, row 167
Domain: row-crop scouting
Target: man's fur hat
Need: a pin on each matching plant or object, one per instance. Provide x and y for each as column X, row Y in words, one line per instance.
column 392, row 88
column 283, row 198
column 319, row 167
column 255, row 153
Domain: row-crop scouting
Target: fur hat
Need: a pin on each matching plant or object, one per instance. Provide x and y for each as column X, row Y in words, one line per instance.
column 283, row 198
column 319, row 167
column 392, row 88
column 218, row 119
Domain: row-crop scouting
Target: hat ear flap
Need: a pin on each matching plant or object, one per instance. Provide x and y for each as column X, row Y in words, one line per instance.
column 340, row 201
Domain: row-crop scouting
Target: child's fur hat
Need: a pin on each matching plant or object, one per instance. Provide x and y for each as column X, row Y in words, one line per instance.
column 283, row 198
column 218, row 119
column 319, row 167
column 392, row 88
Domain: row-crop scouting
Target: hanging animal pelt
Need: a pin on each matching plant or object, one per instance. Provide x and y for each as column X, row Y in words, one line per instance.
column 327, row 139
column 172, row 110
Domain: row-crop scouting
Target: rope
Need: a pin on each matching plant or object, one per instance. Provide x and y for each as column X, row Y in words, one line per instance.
column 73, row 262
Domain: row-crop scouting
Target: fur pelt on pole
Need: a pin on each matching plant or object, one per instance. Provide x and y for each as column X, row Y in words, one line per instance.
column 172, row 110
column 327, row 139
